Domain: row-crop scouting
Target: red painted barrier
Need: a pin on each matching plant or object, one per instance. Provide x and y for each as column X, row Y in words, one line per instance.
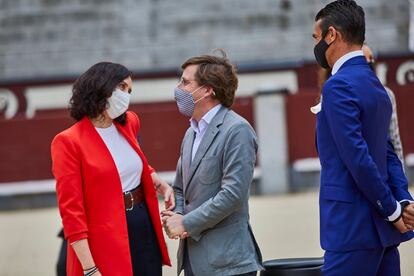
column 25, row 143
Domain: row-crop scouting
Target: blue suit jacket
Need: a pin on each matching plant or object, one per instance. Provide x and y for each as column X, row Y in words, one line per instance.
column 361, row 177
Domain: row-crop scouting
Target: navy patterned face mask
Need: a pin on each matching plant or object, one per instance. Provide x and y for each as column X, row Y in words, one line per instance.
column 185, row 101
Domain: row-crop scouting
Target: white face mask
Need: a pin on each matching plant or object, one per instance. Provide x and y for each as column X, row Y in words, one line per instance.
column 118, row 103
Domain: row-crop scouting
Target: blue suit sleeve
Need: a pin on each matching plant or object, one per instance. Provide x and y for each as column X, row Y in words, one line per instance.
column 343, row 112
column 396, row 177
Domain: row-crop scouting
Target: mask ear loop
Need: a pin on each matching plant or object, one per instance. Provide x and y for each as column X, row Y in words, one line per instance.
column 214, row 93
column 197, row 89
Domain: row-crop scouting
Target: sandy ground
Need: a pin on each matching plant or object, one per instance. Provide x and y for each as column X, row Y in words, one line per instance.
column 285, row 226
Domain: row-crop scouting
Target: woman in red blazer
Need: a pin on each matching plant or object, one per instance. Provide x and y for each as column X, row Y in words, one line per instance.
column 107, row 192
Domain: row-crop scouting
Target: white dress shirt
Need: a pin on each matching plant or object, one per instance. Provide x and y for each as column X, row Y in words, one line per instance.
column 338, row 64
column 201, row 127
column 127, row 160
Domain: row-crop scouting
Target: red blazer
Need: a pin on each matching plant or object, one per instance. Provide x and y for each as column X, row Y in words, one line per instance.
column 90, row 196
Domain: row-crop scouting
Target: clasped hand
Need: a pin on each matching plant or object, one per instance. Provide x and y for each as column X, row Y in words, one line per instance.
column 406, row 222
column 173, row 225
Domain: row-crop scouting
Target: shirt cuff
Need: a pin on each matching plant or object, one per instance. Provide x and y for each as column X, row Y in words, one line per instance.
column 396, row 214
column 410, row 201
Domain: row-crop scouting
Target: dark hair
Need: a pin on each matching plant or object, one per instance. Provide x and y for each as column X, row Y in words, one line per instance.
column 91, row 90
column 218, row 73
column 346, row 17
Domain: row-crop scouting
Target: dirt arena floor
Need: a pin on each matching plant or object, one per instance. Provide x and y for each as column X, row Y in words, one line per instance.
column 285, row 226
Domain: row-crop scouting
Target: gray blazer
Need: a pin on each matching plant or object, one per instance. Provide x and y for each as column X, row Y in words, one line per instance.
column 212, row 193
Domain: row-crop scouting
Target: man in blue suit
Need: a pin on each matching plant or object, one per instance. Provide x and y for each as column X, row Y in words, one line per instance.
column 365, row 206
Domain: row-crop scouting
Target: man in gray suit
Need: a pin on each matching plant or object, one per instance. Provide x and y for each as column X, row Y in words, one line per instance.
column 214, row 173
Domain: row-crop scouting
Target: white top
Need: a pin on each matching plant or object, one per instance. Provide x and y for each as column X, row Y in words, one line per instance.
column 344, row 59
column 201, row 127
column 127, row 160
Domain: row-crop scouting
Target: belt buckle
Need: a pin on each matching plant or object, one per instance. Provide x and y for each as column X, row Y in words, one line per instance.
column 132, row 200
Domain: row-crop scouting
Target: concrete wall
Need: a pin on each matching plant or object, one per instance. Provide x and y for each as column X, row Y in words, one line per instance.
column 47, row 38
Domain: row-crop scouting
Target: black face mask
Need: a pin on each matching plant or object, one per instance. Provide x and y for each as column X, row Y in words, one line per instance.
column 320, row 51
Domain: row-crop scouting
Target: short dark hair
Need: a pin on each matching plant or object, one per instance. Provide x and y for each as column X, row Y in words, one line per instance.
column 218, row 73
column 345, row 16
column 92, row 89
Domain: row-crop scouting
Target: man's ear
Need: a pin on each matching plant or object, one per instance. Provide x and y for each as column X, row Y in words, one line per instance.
column 210, row 91
column 332, row 35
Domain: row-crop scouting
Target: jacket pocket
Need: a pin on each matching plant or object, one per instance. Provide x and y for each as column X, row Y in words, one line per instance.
column 337, row 193
column 225, row 248
column 209, row 170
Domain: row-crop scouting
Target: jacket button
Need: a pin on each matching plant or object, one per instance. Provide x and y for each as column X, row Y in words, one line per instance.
column 187, row 202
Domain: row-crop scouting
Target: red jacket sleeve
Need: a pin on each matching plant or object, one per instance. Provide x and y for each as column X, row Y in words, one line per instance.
column 69, row 188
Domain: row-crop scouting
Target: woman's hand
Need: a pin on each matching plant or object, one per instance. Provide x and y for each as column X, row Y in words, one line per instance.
column 164, row 190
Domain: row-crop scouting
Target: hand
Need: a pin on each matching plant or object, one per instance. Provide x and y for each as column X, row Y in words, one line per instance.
column 165, row 191
column 408, row 216
column 164, row 217
column 399, row 224
column 184, row 235
column 173, row 225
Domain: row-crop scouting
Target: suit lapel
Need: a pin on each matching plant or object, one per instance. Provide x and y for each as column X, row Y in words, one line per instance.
column 208, row 138
column 205, row 144
column 186, row 157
